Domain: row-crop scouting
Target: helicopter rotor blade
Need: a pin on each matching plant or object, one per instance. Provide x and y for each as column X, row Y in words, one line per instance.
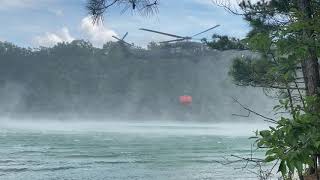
column 121, row 41
column 167, row 34
column 126, row 43
column 117, row 38
column 125, row 35
column 206, row 30
column 175, row 40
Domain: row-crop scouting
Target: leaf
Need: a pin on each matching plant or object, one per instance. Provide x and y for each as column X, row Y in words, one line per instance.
column 270, row 158
column 264, row 133
column 272, row 128
column 290, row 165
column 299, row 166
column 253, row 137
column 283, row 168
column 277, row 107
column 269, row 152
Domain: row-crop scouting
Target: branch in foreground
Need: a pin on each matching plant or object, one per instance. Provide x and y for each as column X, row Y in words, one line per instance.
column 267, row 119
column 97, row 8
column 272, row 87
column 256, row 162
column 227, row 5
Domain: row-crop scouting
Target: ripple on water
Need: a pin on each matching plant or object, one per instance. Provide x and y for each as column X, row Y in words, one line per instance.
column 61, row 168
column 50, row 169
column 13, row 170
column 123, row 162
column 6, row 161
column 91, row 156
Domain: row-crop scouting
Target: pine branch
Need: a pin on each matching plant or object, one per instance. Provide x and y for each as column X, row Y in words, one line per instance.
column 267, row 119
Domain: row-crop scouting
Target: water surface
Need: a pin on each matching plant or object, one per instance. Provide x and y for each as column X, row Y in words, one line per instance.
column 123, row 151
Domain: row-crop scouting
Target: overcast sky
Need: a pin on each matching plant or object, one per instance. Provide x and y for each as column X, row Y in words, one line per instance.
column 33, row 23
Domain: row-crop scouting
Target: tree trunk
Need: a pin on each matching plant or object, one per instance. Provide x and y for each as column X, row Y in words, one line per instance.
column 311, row 73
column 310, row 66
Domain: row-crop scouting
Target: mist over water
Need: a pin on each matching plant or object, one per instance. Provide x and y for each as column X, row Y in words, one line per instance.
column 115, row 114
column 129, row 84
column 156, row 128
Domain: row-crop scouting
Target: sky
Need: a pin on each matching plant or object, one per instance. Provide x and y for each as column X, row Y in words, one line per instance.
column 34, row 23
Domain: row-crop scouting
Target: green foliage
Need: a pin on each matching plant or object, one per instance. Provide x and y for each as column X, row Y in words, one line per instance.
column 262, row 72
column 284, row 34
column 225, row 43
column 293, row 141
column 247, row 71
column 260, row 42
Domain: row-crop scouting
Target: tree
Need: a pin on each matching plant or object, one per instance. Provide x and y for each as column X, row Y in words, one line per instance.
column 98, row 7
column 285, row 34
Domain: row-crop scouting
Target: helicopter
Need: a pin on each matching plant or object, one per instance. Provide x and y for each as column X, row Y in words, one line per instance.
column 122, row 41
column 178, row 38
column 120, row 44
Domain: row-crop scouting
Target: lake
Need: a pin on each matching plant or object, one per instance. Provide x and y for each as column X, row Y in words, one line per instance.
column 124, row 151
